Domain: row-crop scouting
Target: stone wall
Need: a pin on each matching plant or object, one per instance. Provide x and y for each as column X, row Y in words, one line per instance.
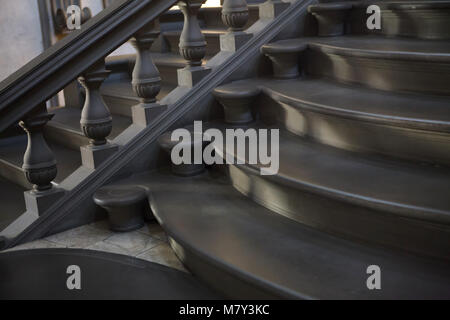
column 20, row 34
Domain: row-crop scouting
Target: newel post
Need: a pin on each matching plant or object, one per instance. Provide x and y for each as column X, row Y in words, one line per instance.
column 192, row 45
column 146, row 80
column 96, row 120
column 39, row 163
column 235, row 16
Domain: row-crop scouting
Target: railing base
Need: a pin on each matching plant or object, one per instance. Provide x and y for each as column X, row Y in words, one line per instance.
column 190, row 76
column 144, row 113
column 38, row 203
column 93, row 156
column 234, row 41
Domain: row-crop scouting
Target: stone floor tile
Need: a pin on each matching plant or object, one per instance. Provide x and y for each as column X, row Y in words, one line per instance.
column 155, row 231
column 108, row 247
column 163, row 254
column 81, row 237
column 38, row 244
column 134, row 242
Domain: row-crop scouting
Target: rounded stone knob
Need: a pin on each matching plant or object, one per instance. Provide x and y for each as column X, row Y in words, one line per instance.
column 237, row 99
column 126, row 206
column 285, row 56
column 184, row 169
column 330, row 18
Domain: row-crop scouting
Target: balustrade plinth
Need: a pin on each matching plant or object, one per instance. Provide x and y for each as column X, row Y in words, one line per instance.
column 272, row 8
column 92, row 156
column 190, row 76
column 38, row 203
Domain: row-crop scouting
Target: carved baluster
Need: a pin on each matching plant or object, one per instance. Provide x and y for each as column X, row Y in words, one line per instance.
column 235, row 16
column 192, row 44
column 39, row 163
column 96, row 120
column 146, row 78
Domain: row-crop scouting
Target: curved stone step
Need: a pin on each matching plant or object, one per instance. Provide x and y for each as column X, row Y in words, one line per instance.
column 64, row 129
column 239, row 248
column 12, row 200
column 11, row 160
column 394, row 204
column 212, row 38
column 359, row 119
column 167, row 63
column 386, row 64
column 120, row 97
column 417, row 19
column 353, row 118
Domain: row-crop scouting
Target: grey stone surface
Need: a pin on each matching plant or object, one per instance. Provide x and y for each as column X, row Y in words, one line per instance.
column 233, row 41
column 40, row 202
column 149, row 243
column 93, row 156
column 190, row 76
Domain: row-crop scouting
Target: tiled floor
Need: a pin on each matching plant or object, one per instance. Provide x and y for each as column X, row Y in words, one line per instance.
column 149, row 243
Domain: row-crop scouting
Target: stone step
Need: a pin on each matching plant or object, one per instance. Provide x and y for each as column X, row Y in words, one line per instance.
column 120, row 97
column 167, row 64
column 417, row 19
column 64, row 129
column 371, row 199
column 12, row 200
column 11, row 159
column 356, row 118
column 239, row 248
column 212, row 38
column 402, row 65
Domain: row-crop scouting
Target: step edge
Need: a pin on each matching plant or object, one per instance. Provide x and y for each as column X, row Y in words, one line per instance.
column 398, row 121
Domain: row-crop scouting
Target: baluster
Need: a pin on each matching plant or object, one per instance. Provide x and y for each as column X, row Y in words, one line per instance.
column 39, row 163
column 192, row 45
column 96, row 120
column 146, row 78
column 235, row 16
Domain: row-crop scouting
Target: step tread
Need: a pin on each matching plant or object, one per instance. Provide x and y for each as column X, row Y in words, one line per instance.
column 68, row 160
column 425, row 112
column 68, row 119
column 204, row 214
column 125, row 61
column 123, row 89
column 206, row 32
column 408, row 5
column 12, row 200
column 409, row 190
column 379, row 47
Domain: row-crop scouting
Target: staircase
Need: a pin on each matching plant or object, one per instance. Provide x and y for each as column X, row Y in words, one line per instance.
column 159, row 42
column 364, row 178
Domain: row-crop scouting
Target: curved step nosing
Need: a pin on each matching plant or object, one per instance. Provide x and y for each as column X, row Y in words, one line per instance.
column 404, row 210
column 377, row 54
column 244, row 276
column 412, row 123
column 60, row 126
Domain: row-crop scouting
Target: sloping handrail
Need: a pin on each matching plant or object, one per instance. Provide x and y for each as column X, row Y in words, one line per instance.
column 55, row 68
